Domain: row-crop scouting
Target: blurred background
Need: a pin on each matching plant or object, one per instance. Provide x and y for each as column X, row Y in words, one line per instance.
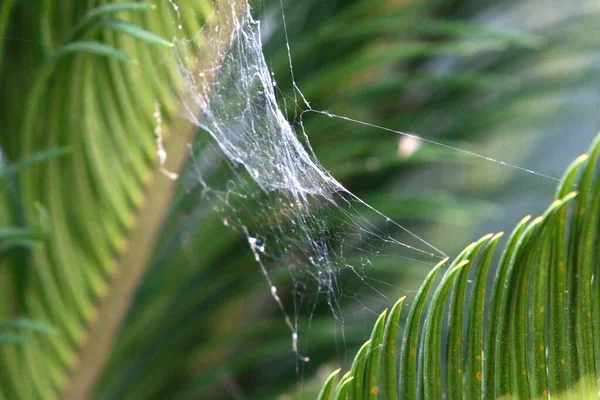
column 515, row 81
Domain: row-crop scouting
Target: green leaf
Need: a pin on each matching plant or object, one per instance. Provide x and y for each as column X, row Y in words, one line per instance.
column 584, row 245
column 95, row 48
column 28, row 324
column 432, row 331
column 15, row 233
column 107, row 9
column 113, row 8
column 495, row 341
column 389, row 369
column 326, row 392
column 374, row 353
column 13, row 339
column 133, row 30
column 36, row 158
column 358, row 371
column 18, row 330
column 343, row 389
column 560, row 358
column 410, row 381
column 456, row 316
column 531, row 305
column 473, row 363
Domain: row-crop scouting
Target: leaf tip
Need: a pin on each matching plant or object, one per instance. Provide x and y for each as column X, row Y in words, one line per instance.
column 537, row 220
column 487, row 237
column 571, row 195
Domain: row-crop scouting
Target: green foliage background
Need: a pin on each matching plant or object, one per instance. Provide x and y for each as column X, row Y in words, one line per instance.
column 93, row 232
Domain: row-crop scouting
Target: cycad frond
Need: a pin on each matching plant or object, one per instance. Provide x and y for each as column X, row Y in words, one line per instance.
column 95, row 79
column 536, row 336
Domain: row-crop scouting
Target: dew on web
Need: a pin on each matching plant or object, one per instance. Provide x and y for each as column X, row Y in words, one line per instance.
column 275, row 193
column 160, row 148
column 176, row 8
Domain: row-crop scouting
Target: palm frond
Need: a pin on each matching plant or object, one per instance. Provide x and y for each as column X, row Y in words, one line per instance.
column 536, row 336
column 99, row 217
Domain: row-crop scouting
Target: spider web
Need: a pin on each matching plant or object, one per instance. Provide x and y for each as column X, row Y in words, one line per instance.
column 295, row 215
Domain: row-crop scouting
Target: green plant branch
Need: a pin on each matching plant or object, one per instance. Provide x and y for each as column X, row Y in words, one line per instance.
column 112, row 308
column 517, row 344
